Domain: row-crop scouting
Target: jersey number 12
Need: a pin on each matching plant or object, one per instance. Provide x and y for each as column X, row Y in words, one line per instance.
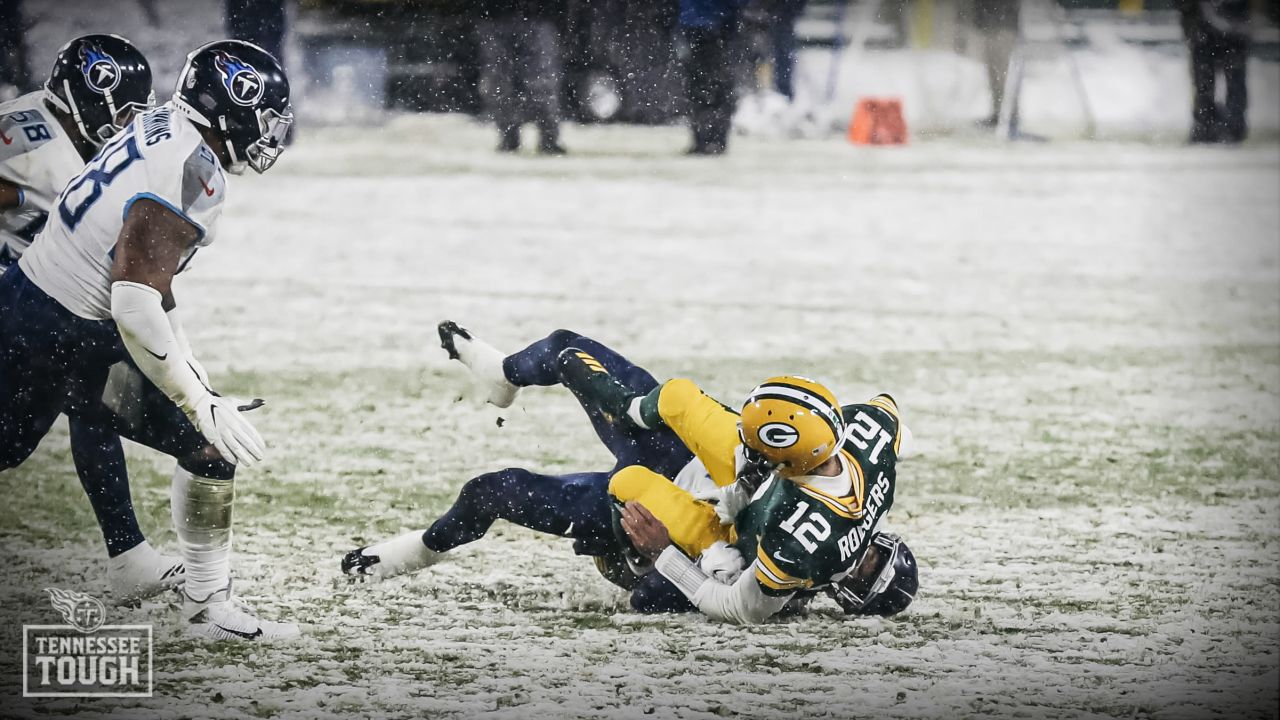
column 816, row 528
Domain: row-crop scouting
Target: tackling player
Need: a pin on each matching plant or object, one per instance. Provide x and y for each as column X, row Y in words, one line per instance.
column 98, row 84
column 656, row 461
column 94, row 288
column 832, row 475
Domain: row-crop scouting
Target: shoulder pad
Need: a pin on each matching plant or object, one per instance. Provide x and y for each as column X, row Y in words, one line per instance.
column 203, row 184
column 22, row 132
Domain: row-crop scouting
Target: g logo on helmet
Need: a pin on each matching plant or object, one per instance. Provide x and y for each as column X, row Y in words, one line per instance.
column 101, row 73
column 778, row 435
column 242, row 81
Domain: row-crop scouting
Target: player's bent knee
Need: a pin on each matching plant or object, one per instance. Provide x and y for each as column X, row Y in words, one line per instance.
column 676, row 396
column 630, row 482
column 207, row 463
column 561, row 339
column 491, row 484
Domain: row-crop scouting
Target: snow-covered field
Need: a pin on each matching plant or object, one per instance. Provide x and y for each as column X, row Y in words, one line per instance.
column 1084, row 338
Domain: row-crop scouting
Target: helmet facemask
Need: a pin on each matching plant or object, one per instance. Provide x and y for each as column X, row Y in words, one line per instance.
column 861, row 593
column 121, row 117
column 262, row 153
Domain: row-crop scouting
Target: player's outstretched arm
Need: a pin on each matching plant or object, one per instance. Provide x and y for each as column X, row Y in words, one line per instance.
column 150, row 249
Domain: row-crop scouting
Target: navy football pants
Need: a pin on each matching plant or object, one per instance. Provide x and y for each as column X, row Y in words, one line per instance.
column 575, row 505
column 51, row 362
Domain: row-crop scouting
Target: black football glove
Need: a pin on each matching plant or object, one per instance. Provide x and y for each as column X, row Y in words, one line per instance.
column 755, row 471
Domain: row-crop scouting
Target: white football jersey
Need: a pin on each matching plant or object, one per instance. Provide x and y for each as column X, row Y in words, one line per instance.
column 38, row 157
column 160, row 157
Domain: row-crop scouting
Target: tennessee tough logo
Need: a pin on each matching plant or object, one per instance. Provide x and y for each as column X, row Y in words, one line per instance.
column 82, row 612
column 242, row 81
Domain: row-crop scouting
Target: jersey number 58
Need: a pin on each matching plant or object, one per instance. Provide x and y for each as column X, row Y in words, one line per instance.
column 85, row 190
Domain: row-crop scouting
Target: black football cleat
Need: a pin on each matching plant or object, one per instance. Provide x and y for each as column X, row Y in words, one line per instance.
column 482, row 359
column 448, row 330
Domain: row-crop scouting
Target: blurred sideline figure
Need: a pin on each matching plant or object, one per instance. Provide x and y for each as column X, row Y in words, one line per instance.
column 520, row 67
column 13, row 60
column 781, row 16
column 261, row 22
column 710, row 28
column 997, row 22
column 1217, row 33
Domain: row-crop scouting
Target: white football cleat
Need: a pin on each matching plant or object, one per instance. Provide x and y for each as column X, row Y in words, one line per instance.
column 400, row 555
column 482, row 359
column 142, row 572
column 222, row 616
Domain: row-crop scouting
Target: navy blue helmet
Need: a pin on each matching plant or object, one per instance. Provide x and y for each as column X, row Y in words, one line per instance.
column 100, row 81
column 888, row 588
column 241, row 92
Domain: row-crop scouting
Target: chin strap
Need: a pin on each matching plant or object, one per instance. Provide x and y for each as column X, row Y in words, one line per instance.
column 69, row 106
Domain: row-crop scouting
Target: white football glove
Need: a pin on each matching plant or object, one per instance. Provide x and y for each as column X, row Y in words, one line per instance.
column 728, row 501
column 722, row 562
column 220, row 421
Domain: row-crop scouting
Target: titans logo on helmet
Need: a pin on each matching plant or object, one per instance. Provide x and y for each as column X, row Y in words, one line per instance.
column 101, row 72
column 243, row 83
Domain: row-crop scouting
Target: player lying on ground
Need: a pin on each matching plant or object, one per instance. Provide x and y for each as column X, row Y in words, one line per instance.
column 831, row 476
column 98, row 84
column 95, row 288
column 655, row 460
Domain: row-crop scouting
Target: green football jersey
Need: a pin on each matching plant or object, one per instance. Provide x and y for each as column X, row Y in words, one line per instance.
column 801, row 537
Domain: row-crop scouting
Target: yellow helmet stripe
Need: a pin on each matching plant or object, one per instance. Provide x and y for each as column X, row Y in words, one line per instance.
column 801, row 397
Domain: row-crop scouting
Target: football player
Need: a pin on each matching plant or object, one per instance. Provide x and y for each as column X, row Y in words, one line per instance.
column 830, row 481
column 95, row 288
column 580, row 506
column 98, row 84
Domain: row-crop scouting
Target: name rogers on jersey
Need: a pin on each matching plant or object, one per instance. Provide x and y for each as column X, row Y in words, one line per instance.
column 875, row 498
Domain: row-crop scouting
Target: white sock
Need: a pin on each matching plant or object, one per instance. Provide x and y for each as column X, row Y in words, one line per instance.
column 201, row 509
column 633, row 412
column 404, row 553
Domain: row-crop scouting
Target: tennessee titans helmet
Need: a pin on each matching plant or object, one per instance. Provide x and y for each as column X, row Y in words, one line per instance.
column 885, row 590
column 100, row 81
column 240, row 91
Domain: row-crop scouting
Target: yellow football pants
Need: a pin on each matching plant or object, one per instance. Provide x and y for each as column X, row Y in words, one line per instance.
column 711, row 433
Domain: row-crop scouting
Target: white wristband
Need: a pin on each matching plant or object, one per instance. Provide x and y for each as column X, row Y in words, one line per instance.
column 681, row 571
